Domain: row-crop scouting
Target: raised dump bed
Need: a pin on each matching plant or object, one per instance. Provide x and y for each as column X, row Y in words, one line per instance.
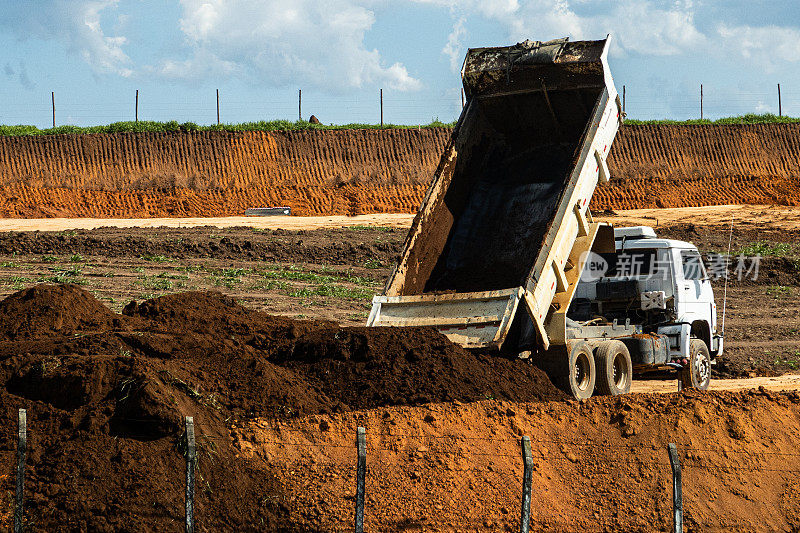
column 506, row 217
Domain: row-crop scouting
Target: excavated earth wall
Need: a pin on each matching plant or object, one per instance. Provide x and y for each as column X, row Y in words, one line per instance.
column 352, row 172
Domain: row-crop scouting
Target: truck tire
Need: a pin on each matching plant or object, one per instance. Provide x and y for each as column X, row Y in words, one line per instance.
column 614, row 368
column 697, row 374
column 572, row 372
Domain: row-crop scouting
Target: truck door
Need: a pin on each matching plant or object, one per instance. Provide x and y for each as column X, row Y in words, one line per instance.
column 694, row 294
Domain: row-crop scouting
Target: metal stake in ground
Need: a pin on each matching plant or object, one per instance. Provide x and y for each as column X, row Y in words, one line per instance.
column 361, row 474
column 677, row 494
column 527, row 474
column 22, row 445
column 190, row 462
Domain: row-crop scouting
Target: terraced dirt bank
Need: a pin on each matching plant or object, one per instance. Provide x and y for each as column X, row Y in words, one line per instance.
column 350, row 172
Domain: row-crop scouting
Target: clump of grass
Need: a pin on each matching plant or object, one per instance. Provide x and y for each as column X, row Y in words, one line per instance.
column 157, row 283
column 63, row 278
column 8, row 264
column 779, row 291
column 18, row 283
column 373, row 264
column 49, row 259
column 76, row 258
column 73, row 271
column 764, row 248
column 156, row 258
column 332, row 290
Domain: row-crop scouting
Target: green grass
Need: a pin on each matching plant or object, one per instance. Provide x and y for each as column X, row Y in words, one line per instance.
column 18, row 283
column 77, row 258
column 750, row 118
column 173, row 126
column 49, row 259
column 8, row 264
column 295, row 274
column 156, row 258
column 335, row 291
column 779, row 291
column 763, row 248
column 62, row 277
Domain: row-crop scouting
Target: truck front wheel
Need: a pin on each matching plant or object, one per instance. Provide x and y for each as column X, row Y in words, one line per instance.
column 697, row 374
column 614, row 368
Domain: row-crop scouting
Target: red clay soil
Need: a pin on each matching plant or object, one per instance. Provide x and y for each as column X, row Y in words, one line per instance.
column 601, row 465
column 276, row 403
column 106, row 395
column 351, row 172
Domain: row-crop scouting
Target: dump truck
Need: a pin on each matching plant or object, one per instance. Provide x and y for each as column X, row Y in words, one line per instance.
column 504, row 254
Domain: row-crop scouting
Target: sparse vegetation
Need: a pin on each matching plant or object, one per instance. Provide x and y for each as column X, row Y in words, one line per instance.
column 763, row 248
column 156, row 258
column 749, row 118
column 174, row 126
column 779, row 291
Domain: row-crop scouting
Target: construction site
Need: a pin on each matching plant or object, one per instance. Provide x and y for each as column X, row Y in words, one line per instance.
column 420, row 290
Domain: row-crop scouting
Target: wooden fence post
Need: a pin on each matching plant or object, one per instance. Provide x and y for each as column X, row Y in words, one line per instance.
column 22, row 445
column 361, row 473
column 136, row 107
column 53, row 99
column 299, row 104
column 191, row 457
column 217, row 107
column 527, row 474
column 381, row 108
column 701, row 101
column 780, row 109
column 677, row 493
column 623, row 99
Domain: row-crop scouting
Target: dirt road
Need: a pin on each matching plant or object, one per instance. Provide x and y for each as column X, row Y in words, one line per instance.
column 786, row 382
column 749, row 216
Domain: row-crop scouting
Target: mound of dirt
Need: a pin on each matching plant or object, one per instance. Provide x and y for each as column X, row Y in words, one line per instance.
column 107, row 395
column 366, row 367
column 53, row 309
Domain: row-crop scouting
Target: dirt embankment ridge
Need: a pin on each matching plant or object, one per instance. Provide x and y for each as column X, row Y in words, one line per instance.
column 350, row 172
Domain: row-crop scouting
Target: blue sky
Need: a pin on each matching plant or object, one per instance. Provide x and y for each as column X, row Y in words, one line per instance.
column 94, row 54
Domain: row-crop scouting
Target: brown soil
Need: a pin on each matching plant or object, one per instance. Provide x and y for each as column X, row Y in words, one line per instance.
column 276, row 403
column 601, row 465
column 106, row 395
column 363, row 171
column 333, row 274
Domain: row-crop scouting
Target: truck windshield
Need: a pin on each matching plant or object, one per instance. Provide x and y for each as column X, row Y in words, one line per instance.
column 629, row 263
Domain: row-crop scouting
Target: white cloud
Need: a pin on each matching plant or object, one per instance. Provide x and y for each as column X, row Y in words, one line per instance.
column 74, row 22
column 298, row 43
column 765, row 46
column 454, row 47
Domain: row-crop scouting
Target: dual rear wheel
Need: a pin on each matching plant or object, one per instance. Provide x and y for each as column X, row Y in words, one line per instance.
column 606, row 370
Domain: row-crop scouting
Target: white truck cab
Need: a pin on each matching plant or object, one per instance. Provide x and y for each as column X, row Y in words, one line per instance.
column 659, row 284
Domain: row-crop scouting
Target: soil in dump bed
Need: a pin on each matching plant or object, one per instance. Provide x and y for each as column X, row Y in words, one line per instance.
column 106, row 395
column 505, row 188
